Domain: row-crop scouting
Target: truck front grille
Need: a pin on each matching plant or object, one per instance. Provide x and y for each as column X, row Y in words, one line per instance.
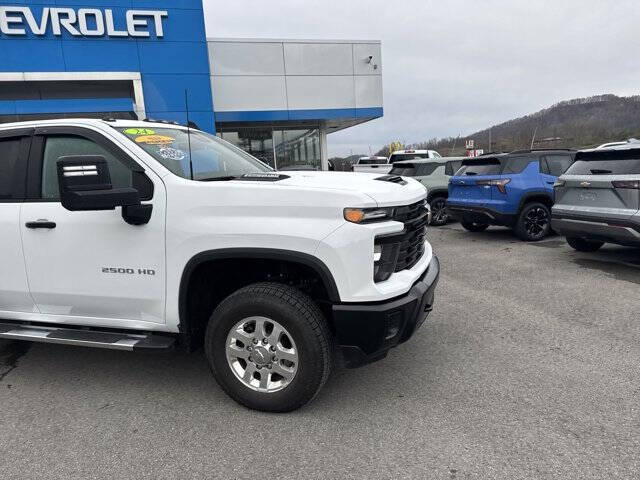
column 411, row 249
column 401, row 251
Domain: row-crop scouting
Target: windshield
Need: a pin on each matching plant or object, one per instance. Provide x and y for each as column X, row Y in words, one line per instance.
column 606, row 162
column 406, row 169
column 372, row 161
column 212, row 158
column 605, row 167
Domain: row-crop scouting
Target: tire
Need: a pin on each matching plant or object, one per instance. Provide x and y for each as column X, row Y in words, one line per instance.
column 305, row 336
column 473, row 226
column 439, row 215
column 583, row 245
column 534, row 222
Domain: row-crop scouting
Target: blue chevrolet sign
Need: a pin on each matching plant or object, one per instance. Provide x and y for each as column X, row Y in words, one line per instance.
column 162, row 42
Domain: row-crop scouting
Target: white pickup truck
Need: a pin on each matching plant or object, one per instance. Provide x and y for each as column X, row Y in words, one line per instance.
column 371, row 165
column 383, row 165
column 140, row 236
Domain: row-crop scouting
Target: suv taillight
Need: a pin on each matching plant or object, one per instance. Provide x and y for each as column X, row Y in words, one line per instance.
column 634, row 184
column 500, row 183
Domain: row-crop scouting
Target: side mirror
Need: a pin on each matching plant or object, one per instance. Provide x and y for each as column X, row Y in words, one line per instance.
column 85, row 184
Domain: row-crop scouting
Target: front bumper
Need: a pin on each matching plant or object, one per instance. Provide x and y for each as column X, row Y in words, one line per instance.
column 599, row 229
column 366, row 331
column 483, row 215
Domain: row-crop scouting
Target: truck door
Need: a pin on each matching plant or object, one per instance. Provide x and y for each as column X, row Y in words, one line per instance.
column 91, row 267
column 14, row 289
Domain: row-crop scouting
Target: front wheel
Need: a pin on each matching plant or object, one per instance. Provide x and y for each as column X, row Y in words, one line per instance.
column 269, row 347
column 439, row 215
column 473, row 226
column 583, row 245
column 534, row 222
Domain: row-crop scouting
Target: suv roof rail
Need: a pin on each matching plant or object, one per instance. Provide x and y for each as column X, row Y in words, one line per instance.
column 489, row 153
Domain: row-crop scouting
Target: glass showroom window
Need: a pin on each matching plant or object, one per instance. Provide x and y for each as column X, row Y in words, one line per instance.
column 255, row 141
column 295, row 148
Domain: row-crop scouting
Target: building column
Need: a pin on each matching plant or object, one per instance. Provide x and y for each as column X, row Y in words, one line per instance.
column 324, row 154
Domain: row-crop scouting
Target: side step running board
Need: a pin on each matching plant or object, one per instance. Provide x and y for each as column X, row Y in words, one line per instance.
column 86, row 338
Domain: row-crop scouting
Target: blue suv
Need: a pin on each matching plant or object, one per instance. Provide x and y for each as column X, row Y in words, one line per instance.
column 510, row 189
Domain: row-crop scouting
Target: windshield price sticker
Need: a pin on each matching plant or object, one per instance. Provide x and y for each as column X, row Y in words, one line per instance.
column 139, row 131
column 155, row 139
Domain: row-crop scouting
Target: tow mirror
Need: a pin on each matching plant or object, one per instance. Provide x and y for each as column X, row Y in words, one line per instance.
column 85, row 184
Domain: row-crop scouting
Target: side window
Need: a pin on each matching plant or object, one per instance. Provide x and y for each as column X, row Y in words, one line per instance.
column 452, row 167
column 426, row 169
column 544, row 167
column 558, row 164
column 516, row 164
column 9, row 153
column 57, row 146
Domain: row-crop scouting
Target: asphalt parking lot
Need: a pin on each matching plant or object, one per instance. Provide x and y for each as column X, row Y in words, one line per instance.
column 529, row 367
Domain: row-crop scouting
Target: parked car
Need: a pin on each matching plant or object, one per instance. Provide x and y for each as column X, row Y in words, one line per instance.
column 371, row 165
column 138, row 235
column 511, row 189
column 401, row 155
column 434, row 174
column 598, row 199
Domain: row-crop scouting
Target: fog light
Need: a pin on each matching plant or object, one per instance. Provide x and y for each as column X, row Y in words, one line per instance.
column 385, row 258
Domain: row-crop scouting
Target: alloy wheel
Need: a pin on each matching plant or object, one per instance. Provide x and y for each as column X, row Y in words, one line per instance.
column 262, row 354
column 439, row 211
column 536, row 222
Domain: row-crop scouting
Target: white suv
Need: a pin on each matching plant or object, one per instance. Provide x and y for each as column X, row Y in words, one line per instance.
column 137, row 235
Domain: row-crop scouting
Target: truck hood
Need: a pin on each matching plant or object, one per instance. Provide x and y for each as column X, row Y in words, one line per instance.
column 376, row 186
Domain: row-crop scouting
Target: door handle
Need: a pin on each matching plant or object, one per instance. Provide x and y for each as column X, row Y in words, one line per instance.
column 551, row 182
column 41, row 223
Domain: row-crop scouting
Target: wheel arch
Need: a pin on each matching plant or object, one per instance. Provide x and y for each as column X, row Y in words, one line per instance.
column 262, row 256
column 536, row 196
column 437, row 192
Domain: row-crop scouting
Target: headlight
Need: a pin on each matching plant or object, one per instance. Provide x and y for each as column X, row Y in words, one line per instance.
column 366, row 215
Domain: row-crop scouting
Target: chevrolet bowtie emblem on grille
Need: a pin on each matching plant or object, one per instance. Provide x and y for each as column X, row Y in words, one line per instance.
column 585, row 184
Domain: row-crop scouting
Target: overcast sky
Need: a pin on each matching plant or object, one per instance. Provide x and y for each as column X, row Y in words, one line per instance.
column 454, row 67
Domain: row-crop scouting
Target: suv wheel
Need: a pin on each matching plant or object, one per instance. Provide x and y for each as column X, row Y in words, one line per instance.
column 534, row 222
column 439, row 215
column 583, row 245
column 474, row 226
column 269, row 347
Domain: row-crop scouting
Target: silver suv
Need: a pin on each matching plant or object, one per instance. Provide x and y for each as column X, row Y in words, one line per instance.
column 597, row 200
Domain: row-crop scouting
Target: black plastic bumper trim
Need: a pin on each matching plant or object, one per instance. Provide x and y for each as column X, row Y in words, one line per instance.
column 481, row 215
column 363, row 330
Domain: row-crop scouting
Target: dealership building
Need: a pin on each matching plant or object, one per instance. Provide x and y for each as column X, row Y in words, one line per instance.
column 277, row 99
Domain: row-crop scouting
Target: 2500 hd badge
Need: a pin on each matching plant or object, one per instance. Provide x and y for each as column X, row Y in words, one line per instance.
column 129, row 271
